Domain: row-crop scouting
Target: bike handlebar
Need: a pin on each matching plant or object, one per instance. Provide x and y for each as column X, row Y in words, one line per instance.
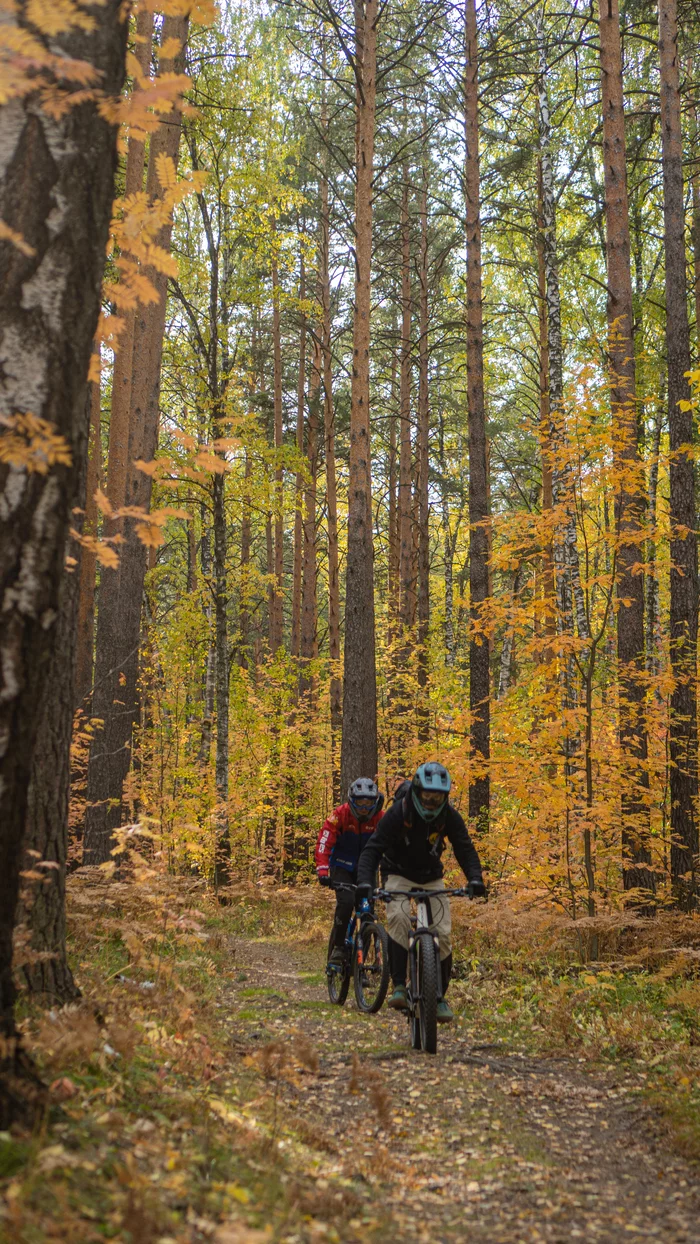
column 387, row 895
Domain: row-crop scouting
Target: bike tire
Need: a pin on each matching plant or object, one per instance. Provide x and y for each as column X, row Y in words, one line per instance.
column 338, row 982
column 374, row 946
column 427, row 969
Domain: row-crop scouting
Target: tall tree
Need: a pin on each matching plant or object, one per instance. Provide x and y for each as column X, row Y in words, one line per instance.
column 629, row 500
column 56, row 190
column 359, row 744
column 683, row 734
column 115, row 699
column 479, row 672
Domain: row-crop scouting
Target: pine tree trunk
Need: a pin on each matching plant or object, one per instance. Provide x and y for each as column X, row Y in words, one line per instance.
column 276, row 604
column 336, row 688
column 56, row 189
column 570, row 599
column 246, row 545
column 653, row 617
column 393, row 553
column 115, row 699
column 295, row 643
column 479, row 673
column 309, row 647
column 359, row 745
column 422, row 455
column 629, row 499
column 684, row 560
column 88, row 559
column 548, row 588
column 407, row 584
column 121, row 408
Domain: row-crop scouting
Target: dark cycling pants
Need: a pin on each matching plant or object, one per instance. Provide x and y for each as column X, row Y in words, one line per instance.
column 344, row 902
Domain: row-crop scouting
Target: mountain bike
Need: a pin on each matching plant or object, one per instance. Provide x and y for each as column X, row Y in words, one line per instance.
column 365, row 958
column 425, row 977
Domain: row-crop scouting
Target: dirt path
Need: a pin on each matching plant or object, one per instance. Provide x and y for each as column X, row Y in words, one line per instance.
column 477, row 1142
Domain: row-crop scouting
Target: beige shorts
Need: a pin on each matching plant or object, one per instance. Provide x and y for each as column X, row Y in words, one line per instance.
column 398, row 913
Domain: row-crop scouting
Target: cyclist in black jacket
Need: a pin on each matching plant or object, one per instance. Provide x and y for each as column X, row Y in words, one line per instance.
column 409, row 842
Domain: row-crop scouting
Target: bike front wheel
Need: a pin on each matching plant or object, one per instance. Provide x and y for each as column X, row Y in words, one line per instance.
column 427, row 968
column 371, row 967
column 338, row 977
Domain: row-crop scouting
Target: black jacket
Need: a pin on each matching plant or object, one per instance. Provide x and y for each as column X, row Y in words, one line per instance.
column 412, row 847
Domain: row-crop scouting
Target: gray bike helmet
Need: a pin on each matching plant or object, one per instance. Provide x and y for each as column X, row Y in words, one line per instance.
column 364, row 798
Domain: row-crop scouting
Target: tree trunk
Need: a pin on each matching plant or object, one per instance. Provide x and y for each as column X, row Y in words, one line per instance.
column 309, row 647
column 56, row 189
column 246, row 545
column 336, row 689
column 548, row 588
column 121, row 407
column 359, row 746
column 505, row 672
column 276, row 605
column 683, row 739
column 479, row 675
column 393, row 551
column 299, row 488
column 653, row 617
column 422, row 455
column 407, row 585
column 569, row 594
column 629, row 499
column 88, row 559
column 115, row 700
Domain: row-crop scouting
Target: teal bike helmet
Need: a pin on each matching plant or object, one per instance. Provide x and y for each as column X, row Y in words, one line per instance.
column 430, row 789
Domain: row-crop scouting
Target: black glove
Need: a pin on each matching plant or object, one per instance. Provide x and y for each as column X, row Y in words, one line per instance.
column 478, row 889
column 362, row 892
column 325, row 880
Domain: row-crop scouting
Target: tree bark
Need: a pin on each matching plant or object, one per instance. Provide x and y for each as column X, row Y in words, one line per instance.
column 629, row 498
column 479, row 673
column 548, row 587
column 309, row 647
column 407, row 584
column 422, row 455
column 569, row 593
column 299, row 489
column 56, row 189
column 683, row 738
column 276, row 606
column 359, row 745
column 121, row 407
column 246, row 546
column 336, row 689
column 88, row 559
column 115, row 698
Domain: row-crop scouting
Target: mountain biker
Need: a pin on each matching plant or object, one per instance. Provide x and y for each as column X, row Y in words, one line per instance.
column 409, row 842
column 343, row 838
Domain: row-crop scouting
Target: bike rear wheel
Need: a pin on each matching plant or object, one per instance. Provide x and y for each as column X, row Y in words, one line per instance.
column 427, row 969
column 371, row 967
column 338, row 978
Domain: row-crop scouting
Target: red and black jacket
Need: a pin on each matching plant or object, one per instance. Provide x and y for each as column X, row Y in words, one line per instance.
column 343, row 839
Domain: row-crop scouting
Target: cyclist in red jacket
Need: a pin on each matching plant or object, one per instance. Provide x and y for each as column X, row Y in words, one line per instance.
column 343, row 838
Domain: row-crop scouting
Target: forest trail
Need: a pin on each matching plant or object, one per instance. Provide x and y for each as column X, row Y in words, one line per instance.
column 479, row 1142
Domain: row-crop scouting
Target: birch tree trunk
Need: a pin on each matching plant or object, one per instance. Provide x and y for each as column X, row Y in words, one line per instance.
column 684, row 559
column 479, row 672
column 548, row 587
column 115, row 699
column 359, row 744
column 56, row 190
column 629, row 499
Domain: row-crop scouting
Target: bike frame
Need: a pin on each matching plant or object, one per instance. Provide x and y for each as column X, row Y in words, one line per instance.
column 421, row 923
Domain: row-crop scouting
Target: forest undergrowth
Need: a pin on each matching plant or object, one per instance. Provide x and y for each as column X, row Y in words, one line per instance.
column 183, row 1084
